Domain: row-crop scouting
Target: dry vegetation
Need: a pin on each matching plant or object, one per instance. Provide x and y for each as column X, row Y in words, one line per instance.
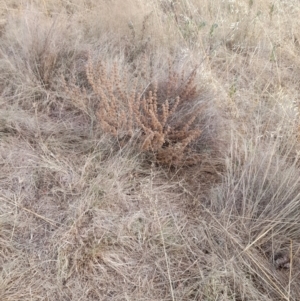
column 149, row 150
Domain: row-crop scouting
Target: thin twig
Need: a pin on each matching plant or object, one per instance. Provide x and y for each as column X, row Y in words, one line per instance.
column 165, row 252
column 49, row 221
column 291, row 264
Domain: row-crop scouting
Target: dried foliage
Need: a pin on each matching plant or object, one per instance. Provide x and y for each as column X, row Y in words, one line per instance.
column 126, row 110
column 81, row 222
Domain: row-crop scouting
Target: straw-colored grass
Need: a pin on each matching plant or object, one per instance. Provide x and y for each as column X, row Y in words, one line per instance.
column 149, row 150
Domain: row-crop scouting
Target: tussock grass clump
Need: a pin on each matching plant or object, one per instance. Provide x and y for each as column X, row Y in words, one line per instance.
column 257, row 209
column 35, row 50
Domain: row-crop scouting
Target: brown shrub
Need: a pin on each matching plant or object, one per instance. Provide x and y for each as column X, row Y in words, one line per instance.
column 152, row 114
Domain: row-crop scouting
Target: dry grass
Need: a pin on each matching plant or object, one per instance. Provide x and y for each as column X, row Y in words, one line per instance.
column 93, row 94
